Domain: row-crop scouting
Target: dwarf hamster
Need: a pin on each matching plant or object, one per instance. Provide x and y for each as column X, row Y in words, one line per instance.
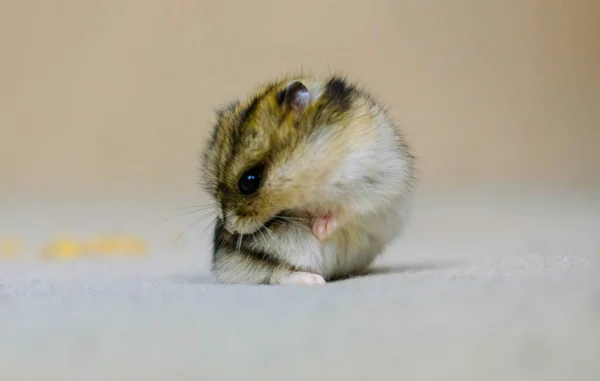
column 311, row 178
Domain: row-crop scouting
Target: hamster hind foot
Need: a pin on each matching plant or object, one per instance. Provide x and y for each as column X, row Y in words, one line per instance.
column 301, row 278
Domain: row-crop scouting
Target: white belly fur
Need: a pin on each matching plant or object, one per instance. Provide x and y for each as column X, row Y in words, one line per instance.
column 352, row 248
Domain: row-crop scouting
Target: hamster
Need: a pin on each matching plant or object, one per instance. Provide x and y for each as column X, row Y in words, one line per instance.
column 311, row 178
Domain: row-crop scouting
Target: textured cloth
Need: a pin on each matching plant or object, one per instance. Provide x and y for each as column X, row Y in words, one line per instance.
column 475, row 290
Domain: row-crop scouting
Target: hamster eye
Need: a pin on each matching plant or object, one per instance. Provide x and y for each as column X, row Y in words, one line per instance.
column 250, row 180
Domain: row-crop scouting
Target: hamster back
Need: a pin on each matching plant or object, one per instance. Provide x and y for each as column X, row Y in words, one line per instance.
column 312, row 180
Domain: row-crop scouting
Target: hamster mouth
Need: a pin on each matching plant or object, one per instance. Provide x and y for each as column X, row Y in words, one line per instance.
column 287, row 218
column 279, row 219
column 252, row 228
column 291, row 218
column 273, row 220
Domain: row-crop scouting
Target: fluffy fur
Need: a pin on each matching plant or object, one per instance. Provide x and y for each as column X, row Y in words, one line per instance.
column 325, row 147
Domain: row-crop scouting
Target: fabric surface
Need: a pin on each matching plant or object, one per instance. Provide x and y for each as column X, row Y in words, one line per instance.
column 480, row 288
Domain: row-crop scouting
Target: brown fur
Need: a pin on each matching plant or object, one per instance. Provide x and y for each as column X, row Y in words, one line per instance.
column 309, row 154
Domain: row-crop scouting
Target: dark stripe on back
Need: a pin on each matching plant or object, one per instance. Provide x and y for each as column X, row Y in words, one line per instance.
column 339, row 93
column 247, row 113
column 336, row 100
column 281, row 97
column 249, row 110
column 221, row 113
column 244, row 116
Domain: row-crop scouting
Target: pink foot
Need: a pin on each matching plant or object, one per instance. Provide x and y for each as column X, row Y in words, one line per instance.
column 300, row 277
column 323, row 227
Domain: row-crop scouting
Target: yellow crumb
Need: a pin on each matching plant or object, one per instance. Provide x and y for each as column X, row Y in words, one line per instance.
column 103, row 245
column 118, row 245
column 65, row 248
column 134, row 246
column 70, row 248
column 10, row 247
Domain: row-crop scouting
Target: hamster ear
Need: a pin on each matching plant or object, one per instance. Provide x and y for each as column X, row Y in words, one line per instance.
column 295, row 96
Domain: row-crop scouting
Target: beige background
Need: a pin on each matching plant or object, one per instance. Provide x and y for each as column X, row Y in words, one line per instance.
column 116, row 96
column 104, row 105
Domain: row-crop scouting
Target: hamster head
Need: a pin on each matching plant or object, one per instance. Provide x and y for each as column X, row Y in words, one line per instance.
column 277, row 151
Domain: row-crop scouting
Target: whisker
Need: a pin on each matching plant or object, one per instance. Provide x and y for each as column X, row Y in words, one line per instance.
column 222, row 244
column 270, row 232
column 288, row 218
column 294, row 223
column 239, row 242
column 208, row 226
column 194, row 223
column 201, row 206
column 282, row 223
column 184, row 214
column 262, row 236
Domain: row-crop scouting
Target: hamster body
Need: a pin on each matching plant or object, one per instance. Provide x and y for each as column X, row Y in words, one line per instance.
column 311, row 178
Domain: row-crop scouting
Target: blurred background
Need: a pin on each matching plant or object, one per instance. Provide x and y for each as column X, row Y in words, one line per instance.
column 105, row 105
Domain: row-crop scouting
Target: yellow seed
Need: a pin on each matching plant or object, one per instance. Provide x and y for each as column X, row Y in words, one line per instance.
column 69, row 248
column 134, row 246
column 115, row 245
column 10, row 247
column 63, row 249
column 103, row 245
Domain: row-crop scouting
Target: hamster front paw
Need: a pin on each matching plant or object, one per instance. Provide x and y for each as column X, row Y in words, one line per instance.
column 324, row 227
column 303, row 278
